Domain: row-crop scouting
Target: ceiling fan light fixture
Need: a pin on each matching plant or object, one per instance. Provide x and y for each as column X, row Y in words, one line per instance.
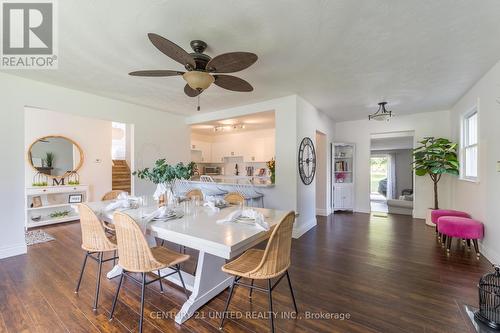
column 198, row 80
column 382, row 113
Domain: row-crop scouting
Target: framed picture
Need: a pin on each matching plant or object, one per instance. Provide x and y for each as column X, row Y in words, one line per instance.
column 75, row 198
column 37, row 202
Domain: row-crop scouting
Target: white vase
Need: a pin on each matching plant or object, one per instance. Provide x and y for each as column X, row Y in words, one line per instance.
column 428, row 218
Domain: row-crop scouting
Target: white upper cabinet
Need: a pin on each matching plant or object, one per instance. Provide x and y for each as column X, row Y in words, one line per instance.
column 204, row 147
column 253, row 147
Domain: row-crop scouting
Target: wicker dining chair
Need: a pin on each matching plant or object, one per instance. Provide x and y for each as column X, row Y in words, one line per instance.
column 194, row 193
column 234, row 198
column 137, row 257
column 94, row 242
column 112, row 195
column 273, row 262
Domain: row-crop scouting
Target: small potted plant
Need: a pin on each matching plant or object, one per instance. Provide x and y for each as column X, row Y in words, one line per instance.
column 271, row 165
column 163, row 175
column 49, row 159
column 435, row 157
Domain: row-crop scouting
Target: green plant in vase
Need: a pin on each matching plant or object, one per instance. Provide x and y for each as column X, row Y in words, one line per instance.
column 435, row 157
column 271, row 165
column 164, row 174
column 49, row 159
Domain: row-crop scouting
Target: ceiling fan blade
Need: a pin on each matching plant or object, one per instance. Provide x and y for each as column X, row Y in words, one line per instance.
column 233, row 83
column 156, row 73
column 190, row 91
column 172, row 50
column 231, row 62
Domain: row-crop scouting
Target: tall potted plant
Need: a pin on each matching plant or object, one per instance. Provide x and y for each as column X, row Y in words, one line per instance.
column 435, row 157
column 164, row 174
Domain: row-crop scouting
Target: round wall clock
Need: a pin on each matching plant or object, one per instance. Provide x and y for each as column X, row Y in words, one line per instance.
column 307, row 161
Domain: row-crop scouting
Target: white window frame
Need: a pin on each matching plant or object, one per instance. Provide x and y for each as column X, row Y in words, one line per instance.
column 464, row 145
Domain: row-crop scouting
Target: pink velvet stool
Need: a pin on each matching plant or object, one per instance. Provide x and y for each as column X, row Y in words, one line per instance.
column 437, row 213
column 461, row 228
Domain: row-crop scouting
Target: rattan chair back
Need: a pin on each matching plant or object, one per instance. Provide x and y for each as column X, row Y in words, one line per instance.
column 133, row 249
column 94, row 238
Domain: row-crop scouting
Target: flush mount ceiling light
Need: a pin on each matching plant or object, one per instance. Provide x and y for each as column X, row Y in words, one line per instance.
column 381, row 114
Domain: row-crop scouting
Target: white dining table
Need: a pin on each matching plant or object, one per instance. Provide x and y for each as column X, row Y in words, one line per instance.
column 216, row 242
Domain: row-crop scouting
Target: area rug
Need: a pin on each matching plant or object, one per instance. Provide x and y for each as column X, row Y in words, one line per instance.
column 37, row 236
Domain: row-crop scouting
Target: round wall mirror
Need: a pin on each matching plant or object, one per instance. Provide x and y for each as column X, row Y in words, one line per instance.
column 55, row 156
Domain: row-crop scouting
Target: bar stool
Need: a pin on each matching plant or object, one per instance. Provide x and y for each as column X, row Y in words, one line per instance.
column 250, row 194
column 94, row 241
column 211, row 190
column 137, row 257
column 273, row 262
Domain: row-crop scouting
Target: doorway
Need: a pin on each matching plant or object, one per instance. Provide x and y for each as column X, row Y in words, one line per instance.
column 391, row 172
column 122, row 156
column 321, row 175
column 379, row 182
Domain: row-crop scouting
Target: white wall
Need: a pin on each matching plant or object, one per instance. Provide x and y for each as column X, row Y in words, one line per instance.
column 482, row 199
column 310, row 120
column 156, row 134
column 423, row 124
column 321, row 179
column 39, row 123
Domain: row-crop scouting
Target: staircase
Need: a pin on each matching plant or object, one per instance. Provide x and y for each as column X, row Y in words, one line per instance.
column 121, row 176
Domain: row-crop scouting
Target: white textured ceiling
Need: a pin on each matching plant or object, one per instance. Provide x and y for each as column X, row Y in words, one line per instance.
column 343, row 56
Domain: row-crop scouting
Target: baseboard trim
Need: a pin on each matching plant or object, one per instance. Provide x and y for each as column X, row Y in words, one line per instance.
column 492, row 256
column 322, row 212
column 13, row 250
column 302, row 229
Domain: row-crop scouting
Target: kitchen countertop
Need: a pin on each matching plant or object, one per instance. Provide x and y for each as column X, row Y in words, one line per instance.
column 238, row 180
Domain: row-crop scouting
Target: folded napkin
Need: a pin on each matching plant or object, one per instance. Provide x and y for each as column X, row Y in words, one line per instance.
column 159, row 213
column 211, row 205
column 160, row 190
column 250, row 213
column 122, row 201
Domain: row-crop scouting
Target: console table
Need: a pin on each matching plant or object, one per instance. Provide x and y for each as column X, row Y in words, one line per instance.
column 42, row 201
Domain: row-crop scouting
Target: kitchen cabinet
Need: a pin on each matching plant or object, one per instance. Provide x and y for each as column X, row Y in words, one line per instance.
column 343, row 196
column 255, row 149
column 204, row 147
column 260, row 150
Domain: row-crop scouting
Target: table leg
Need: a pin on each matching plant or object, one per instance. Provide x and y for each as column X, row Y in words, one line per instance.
column 208, row 283
column 114, row 272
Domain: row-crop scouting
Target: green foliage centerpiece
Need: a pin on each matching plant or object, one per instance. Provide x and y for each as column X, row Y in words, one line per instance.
column 164, row 175
column 436, row 157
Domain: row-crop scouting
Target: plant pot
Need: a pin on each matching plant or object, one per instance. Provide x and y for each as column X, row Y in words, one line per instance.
column 428, row 218
column 273, row 178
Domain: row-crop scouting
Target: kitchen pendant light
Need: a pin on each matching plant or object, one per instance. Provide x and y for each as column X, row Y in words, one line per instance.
column 381, row 114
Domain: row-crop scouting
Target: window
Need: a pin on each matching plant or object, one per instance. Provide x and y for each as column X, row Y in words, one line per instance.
column 469, row 152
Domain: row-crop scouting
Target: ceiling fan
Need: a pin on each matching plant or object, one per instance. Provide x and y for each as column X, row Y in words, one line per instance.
column 201, row 69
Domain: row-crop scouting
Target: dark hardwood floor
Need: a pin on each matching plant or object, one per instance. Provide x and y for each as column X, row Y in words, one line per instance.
column 377, row 274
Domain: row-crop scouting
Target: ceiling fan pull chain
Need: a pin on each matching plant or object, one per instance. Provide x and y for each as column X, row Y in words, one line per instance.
column 198, row 108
